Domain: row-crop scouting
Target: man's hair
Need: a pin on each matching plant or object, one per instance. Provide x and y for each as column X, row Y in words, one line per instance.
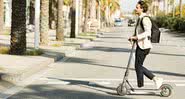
column 143, row 5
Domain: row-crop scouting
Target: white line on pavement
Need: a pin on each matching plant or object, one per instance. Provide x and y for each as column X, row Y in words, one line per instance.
column 99, row 79
column 178, row 83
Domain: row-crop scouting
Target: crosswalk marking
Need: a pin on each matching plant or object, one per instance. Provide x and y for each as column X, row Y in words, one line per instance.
column 178, row 83
column 99, row 79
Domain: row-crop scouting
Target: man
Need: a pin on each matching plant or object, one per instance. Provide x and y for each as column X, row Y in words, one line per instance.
column 143, row 42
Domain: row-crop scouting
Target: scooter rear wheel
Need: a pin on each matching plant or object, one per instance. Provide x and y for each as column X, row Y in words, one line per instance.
column 121, row 90
column 166, row 90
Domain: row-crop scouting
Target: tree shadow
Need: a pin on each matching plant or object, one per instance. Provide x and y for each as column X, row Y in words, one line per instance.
column 114, row 49
column 110, row 37
column 59, row 92
column 93, row 62
column 102, row 41
column 4, row 85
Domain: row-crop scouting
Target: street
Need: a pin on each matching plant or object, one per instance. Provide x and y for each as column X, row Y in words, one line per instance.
column 95, row 72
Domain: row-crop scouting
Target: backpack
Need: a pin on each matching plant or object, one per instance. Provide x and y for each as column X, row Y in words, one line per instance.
column 155, row 32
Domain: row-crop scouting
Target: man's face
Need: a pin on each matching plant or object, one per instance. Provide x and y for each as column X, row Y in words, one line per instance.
column 138, row 9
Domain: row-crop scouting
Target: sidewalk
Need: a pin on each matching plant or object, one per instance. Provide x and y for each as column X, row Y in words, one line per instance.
column 15, row 68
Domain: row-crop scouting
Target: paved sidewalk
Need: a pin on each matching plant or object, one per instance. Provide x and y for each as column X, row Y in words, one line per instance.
column 95, row 72
column 14, row 68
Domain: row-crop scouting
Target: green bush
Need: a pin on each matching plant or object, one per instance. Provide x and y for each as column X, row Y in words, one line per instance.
column 173, row 23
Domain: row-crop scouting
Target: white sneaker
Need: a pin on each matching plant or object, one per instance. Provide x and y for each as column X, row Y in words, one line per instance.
column 158, row 82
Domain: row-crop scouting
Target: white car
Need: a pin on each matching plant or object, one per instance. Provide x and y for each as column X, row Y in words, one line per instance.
column 118, row 22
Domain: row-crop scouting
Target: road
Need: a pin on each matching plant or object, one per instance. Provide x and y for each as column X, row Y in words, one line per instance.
column 95, row 72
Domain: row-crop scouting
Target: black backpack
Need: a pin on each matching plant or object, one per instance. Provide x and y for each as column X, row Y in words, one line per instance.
column 155, row 32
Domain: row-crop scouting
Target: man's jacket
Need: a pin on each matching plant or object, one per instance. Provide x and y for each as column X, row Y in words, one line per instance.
column 143, row 41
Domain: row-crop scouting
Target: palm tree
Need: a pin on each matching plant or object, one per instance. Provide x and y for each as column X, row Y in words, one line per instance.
column 173, row 8
column 99, row 14
column 165, row 6
column 67, row 2
column 60, row 29
column 32, row 12
column 180, row 8
column 18, row 27
column 80, row 15
column 93, row 9
column 52, row 13
column 1, row 16
column 44, row 24
column 85, row 26
column 73, row 13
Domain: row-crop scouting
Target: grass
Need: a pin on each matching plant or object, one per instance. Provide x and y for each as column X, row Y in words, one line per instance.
column 87, row 33
column 6, row 32
column 30, row 52
column 1, row 68
column 34, row 52
column 56, row 45
column 4, row 50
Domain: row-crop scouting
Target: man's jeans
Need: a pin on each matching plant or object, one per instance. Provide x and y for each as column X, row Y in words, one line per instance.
column 140, row 69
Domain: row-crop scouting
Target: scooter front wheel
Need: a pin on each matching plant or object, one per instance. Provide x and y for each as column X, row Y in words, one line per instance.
column 166, row 90
column 121, row 90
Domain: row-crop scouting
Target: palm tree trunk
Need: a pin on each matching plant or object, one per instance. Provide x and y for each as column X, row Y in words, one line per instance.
column 107, row 14
column 1, row 16
column 85, row 27
column 52, row 14
column 18, row 27
column 165, row 7
column 93, row 10
column 32, row 12
column 180, row 7
column 60, row 29
column 80, row 14
column 44, row 24
column 99, row 15
column 73, row 13
column 173, row 9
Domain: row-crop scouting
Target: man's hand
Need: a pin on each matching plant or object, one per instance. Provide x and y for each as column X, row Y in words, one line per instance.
column 133, row 38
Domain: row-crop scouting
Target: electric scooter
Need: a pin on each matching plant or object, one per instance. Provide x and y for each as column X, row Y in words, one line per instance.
column 125, row 87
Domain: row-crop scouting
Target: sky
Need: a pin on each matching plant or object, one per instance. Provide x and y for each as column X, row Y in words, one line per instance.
column 129, row 5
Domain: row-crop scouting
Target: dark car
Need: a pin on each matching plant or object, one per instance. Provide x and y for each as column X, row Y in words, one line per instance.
column 131, row 22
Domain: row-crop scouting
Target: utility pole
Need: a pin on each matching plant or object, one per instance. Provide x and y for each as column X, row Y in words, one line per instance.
column 37, row 24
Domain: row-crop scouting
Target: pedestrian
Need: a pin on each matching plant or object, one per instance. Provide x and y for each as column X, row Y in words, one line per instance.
column 143, row 42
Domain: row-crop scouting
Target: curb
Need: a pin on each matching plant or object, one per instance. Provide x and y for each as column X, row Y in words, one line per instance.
column 17, row 77
column 52, row 56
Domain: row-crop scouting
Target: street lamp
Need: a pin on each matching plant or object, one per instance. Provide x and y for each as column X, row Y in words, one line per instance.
column 37, row 24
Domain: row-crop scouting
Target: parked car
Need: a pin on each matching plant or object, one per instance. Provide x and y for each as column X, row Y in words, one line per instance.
column 118, row 22
column 131, row 22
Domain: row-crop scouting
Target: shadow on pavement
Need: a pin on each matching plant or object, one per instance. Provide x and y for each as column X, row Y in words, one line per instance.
column 92, row 62
column 4, row 85
column 176, row 34
column 113, row 49
column 59, row 92
column 94, row 86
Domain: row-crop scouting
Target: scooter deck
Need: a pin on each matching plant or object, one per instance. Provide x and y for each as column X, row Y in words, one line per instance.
column 143, row 91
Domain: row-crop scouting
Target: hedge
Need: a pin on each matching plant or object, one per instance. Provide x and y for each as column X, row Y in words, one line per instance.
column 173, row 23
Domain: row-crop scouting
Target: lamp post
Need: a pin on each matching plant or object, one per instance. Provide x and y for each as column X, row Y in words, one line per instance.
column 37, row 24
